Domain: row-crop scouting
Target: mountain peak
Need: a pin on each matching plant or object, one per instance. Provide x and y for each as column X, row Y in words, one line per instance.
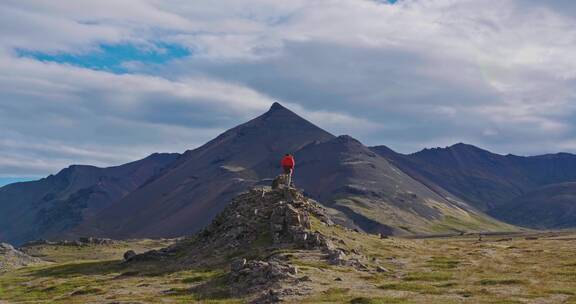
column 276, row 106
column 462, row 147
column 279, row 111
column 285, row 123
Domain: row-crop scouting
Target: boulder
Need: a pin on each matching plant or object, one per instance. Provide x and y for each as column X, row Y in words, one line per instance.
column 5, row 247
column 337, row 257
column 248, row 277
column 238, row 265
column 12, row 258
column 128, row 255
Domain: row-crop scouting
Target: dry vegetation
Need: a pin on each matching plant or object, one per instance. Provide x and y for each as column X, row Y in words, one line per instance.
column 522, row 269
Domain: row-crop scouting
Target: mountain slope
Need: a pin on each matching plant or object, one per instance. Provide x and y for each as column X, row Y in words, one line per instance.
column 337, row 171
column 170, row 196
column 200, row 184
column 510, row 188
column 50, row 207
column 485, row 179
column 377, row 196
column 548, row 207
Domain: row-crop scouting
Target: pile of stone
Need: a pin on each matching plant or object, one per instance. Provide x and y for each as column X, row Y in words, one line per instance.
column 258, row 221
column 248, row 277
column 290, row 223
column 266, row 213
column 12, row 258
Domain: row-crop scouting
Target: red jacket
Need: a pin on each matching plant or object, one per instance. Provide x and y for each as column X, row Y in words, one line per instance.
column 288, row 162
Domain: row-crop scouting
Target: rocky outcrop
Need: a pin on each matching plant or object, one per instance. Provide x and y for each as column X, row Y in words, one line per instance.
column 250, row 235
column 270, row 217
column 253, row 276
column 12, row 258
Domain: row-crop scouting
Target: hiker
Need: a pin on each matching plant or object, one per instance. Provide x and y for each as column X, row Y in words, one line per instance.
column 288, row 163
column 288, row 166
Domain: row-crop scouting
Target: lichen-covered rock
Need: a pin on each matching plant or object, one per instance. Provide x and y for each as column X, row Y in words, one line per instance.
column 238, row 265
column 337, row 257
column 5, row 247
column 128, row 255
column 254, row 276
column 12, row 258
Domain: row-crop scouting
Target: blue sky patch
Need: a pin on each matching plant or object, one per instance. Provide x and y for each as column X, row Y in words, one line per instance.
column 112, row 57
column 9, row 180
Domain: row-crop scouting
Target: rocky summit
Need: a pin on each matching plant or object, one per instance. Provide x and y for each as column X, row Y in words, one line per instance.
column 255, row 236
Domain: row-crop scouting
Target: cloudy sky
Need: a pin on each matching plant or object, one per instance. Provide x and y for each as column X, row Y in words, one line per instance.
column 106, row 82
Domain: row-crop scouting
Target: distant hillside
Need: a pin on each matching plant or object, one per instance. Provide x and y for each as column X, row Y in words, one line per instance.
column 490, row 182
column 52, row 206
column 552, row 206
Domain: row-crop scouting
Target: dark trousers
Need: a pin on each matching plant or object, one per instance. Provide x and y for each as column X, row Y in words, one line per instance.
column 288, row 171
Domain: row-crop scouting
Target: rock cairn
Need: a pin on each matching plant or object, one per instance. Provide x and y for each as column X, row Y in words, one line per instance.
column 266, row 215
column 255, row 224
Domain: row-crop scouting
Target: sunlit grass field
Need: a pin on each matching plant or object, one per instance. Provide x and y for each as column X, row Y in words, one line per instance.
column 540, row 268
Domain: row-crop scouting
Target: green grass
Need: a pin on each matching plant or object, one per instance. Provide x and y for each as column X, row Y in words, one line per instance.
column 505, row 301
column 79, row 269
column 446, row 270
column 19, row 288
column 447, row 285
column 305, row 264
column 200, row 277
column 86, row 291
column 413, row 287
column 428, row 276
column 346, row 295
column 472, row 223
column 567, row 292
column 488, row 282
column 443, row 263
column 378, row 300
column 332, row 295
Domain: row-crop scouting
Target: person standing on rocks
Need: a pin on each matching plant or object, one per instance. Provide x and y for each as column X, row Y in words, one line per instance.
column 288, row 164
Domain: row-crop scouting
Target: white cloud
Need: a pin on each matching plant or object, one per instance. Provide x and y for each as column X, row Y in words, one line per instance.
column 498, row 73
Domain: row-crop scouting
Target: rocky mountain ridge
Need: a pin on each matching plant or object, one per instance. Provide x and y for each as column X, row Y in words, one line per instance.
column 53, row 206
column 505, row 186
column 370, row 189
